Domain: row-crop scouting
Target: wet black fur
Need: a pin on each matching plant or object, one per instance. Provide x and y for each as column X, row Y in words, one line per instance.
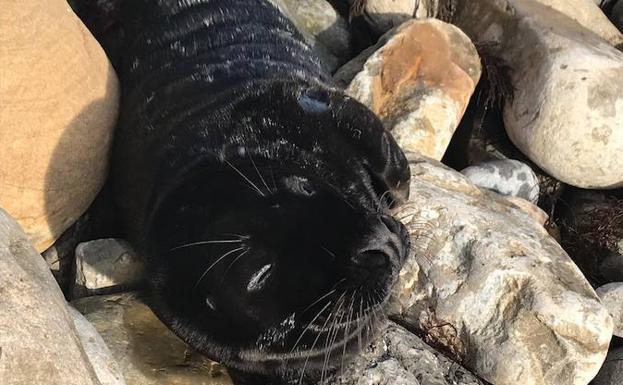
column 231, row 130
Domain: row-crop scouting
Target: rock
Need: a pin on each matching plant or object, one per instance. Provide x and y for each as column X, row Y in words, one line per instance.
column 105, row 266
column 611, row 267
column 612, row 297
column 59, row 106
column 531, row 209
column 507, row 177
column 612, row 371
column 106, row 368
column 566, row 113
column 383, row 15
column 617, row 15
column 146, row 350
column 324, row 29
column 38, row 342
column 588, row 14
column 398, row 357
column 492, row 286
column 419, row 81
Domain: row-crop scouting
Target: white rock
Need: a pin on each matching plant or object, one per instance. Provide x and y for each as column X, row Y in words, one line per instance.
column 509, row 300
column 147, row 352
column 588, row 14
column 38, row 341
column 418, row 80
column 398, row 357
column 103, row 265
column 507, row 177
column 612, row 297
column 612, row 371
column 106, row 368
column 323, row 28
column 567, row 111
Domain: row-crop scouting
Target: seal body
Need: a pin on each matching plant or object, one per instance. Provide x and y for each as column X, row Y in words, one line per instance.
column 253, row 187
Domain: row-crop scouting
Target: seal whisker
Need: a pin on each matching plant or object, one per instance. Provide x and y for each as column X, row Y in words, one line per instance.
column 217, row 261
column 245, row 178
column 234, row 261
column 333, row 333
column 259, row 174
column 331, row 291
column 348, row 321
column 219, row 241
column 309, row 324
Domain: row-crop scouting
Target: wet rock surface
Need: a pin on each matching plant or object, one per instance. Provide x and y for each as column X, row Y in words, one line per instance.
column 147, row 352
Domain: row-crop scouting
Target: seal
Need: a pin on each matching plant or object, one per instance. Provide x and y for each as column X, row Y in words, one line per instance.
column 256, row 190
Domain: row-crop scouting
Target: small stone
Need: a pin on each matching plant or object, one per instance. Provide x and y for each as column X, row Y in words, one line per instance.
column 106, row 368
column 105, row 266
column 489, row 284
column 38, row 341
column 398, row 357
column 60, row 99
column 566, row 113
column 612, row 297
column 383, row 15
column 418, row 80
column 147, row 352
column 612, row 371
column 507, row 177
column 323, row 28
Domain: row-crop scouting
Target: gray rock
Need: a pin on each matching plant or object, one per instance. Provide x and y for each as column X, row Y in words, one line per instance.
column 509, row 300
column 38, row 341
column 566, row 113
column 612, row 371
column 611, row 268
column 507, row 177
column 147, row 352
column 383, row 15
column 398, row 357
column 612, row 297
column 106, row 368
column 323, row 28
column 105, row 266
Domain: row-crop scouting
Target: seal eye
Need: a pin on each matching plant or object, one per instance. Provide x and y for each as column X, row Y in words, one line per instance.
column 299, row 185
column 314, row 101
column 259, row 278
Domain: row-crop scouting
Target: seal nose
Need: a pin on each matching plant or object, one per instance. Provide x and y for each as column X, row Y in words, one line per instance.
column 388, row 245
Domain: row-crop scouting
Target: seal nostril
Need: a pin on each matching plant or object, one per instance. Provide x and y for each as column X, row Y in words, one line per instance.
column 391, row 224
column 375, row 259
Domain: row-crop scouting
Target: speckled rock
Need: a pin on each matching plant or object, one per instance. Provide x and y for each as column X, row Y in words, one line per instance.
column 588, row 14
column 507, row 177
column 489, row 283
column 567, row 111
column 323, row 28
column 146, row 350
column 106, row 368
column 612, row 371
column 38, row 341
column 105, row 266
column 612, row 297
column 59, row 106
column 418, row 81
column 398, row 357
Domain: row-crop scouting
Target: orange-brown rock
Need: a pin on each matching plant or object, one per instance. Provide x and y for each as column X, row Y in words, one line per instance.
column 419, row 81
column 59, row 101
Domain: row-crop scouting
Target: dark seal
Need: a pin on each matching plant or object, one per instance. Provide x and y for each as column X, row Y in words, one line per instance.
column 254, row 188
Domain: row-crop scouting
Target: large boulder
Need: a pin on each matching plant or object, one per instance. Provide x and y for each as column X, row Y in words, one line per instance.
column 418, row 79
column 38, row 341
column 487, row 282
column 59, row 105
column 566, row 113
